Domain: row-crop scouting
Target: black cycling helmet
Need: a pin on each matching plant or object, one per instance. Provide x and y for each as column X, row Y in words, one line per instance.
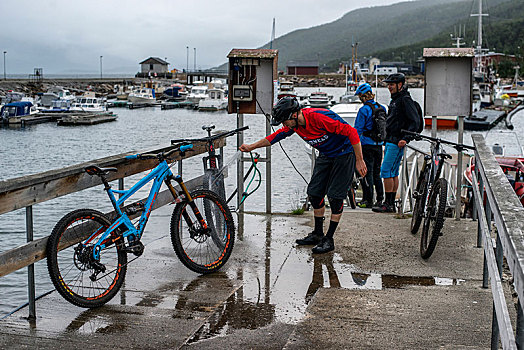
column 283, row 110
column 395, row 78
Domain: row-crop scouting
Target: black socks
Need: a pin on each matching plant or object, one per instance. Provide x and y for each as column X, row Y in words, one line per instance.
column 319, row 225
column 332, row 227
column 390, row 197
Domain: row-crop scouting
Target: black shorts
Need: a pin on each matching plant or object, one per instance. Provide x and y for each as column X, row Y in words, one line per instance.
column 332, row 176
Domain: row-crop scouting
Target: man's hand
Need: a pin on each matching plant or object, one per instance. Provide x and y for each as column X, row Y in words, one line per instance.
column 402, row 143
column 246, row 148
column 361, row 167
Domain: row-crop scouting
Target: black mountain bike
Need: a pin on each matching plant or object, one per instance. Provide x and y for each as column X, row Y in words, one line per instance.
column 431, row 193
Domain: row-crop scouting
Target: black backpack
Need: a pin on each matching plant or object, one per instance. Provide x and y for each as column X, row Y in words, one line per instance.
column 378, row 130
column 421, row 117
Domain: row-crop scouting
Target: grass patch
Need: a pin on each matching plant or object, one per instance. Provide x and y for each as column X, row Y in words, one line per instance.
column 298, row 211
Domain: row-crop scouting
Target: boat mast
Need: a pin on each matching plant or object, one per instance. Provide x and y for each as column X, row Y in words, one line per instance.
column 479, row 35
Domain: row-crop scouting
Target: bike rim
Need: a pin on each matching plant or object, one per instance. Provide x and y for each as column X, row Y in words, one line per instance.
column 74, row 269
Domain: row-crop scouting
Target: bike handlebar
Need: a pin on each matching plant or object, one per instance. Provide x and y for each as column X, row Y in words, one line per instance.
column 212, row 138
column 161, row 155
column 457, row 146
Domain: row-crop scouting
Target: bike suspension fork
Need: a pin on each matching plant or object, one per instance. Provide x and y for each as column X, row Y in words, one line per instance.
column 190, row 200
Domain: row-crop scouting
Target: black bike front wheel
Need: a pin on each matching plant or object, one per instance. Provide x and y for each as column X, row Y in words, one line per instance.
column 214, row 181
column 203, row 250
column 75, row 274
column 421, row 193
column 434, row 220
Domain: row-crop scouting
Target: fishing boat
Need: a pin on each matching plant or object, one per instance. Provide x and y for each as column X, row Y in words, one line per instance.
column 319, row 99
column 14, row 112
column 197, row 93
column 348, row 108
column 142, row 95
column 89, row 103
column 286, row 88
column 214, row 101
column 443, row 122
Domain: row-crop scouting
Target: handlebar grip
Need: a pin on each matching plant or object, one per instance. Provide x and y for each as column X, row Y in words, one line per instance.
column 133, row 156
column 186, row 147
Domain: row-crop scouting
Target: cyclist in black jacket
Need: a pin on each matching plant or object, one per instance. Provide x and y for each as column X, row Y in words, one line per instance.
column 402, row 114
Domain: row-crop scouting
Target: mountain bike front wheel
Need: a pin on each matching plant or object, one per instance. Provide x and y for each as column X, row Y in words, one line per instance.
column 203, row 250
column 434, row 220
column 420, row 200
column 214, row 181
column 76, row 275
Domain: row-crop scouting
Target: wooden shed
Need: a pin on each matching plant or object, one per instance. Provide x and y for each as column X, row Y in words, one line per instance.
column 302, row 68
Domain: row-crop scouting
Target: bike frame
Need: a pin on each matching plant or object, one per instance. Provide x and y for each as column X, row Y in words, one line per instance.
column 159, row 174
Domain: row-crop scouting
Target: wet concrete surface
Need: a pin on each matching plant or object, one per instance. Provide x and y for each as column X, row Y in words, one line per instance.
column 373, row 291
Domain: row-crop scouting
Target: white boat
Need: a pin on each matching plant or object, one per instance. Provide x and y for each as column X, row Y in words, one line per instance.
column 319, row 99
column 142, row 95
column 197, row 93
column 348, row 108
column 64, row 97
column 89, row 103
column 286, row 88
column 214, row 101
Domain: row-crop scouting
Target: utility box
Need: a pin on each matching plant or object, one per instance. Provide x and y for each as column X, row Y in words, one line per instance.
column 252, row 73
column 448, row 81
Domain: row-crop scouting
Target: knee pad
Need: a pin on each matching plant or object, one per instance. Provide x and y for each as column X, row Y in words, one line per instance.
column 316, row 202
column 337, row 205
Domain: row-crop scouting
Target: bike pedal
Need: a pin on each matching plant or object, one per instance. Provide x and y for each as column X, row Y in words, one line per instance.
column 136, row 248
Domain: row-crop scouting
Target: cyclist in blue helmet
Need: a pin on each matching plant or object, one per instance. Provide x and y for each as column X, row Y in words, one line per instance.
column 371, row 149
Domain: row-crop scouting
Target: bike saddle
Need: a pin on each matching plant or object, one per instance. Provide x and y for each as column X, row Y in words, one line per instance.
column 208, row 127
column 94, row 170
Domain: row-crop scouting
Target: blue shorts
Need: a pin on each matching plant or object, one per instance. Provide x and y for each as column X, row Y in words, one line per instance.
column 391, row 163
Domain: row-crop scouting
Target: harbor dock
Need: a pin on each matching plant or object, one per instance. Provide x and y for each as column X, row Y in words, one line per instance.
column 373, row 292
column 87, row 119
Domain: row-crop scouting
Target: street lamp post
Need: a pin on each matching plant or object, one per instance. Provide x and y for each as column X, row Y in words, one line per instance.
column 187, row 59
column 5, row 77
column 194, row 63
column 101, row 67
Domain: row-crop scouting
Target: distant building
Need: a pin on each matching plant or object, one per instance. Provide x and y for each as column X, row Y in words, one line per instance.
column 302, row 68
column 492, row 59
column 385, row 70
column 154, row 67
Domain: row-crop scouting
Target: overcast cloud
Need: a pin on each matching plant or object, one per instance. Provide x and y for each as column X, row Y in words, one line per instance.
column 70, row 36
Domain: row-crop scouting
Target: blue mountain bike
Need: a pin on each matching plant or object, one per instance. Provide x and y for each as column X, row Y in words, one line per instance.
column 87, row 251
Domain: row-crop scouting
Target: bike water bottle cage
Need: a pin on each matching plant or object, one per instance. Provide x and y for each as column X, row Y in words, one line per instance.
column 94, row 170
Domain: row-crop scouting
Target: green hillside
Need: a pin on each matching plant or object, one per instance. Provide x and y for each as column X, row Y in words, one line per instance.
column 400, row 31
column 503, row 32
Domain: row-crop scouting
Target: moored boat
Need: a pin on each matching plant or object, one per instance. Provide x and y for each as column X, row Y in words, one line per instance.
column 319, row 99
column 286, row 88
column 443, row 122
column 214, row 101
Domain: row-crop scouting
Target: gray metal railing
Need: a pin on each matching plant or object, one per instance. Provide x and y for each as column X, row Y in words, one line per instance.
column 495, row 199
column 24, row 192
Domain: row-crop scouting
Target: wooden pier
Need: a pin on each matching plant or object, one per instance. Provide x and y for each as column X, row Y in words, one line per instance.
column 87, row 119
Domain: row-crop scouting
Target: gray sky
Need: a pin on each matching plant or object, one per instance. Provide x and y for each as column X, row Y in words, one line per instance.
column 70, row 36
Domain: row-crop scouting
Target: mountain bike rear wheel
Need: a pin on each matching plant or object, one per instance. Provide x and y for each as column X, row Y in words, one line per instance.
column 434, row 220
column 203, row 251
column 75, row 274
column 420, row 200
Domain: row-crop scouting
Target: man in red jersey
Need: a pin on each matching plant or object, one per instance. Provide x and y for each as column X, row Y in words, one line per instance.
column 338, row 144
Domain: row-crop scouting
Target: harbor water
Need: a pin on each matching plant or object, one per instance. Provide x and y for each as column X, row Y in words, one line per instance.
column 37, row 148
